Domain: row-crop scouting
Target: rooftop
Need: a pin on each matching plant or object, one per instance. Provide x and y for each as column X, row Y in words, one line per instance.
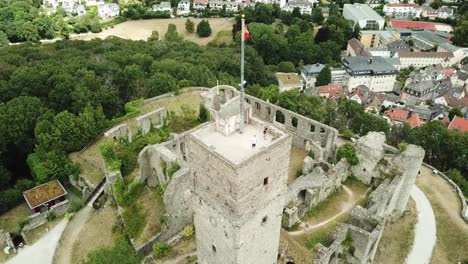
column 313, row 68
column 237, row 147
column 396, row 114
column 288, row 78
column 374, row 64
column 418, row 24
column 414, row 120
column 421, row 54
column 458, row 123
column 44, row 193
column 362, row 11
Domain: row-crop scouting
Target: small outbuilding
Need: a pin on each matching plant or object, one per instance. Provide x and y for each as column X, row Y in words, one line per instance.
column 41, row 198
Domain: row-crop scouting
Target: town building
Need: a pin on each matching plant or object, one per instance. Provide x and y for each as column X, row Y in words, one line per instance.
column 289, row 81
column 332, row 90
column 375, row 73
column 305, row 7
column 408, row 11
column 163, row 7
column 200, row 4
column 426, row 40
column 108, row 9
column 414, row 120
column 374, row 38
column 41, row 198
column 424, row 59
column 407, row 24
column 395, row 115
column 364, row 15
column 356, row 48
column 183, row 8
column 232, row 6
column 310, row 72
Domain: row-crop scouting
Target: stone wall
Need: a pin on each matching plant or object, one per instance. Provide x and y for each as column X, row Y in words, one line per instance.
column 38, row 219
column 369, row 150
column 5, row 240
column 120, row 131
column 152, row 119
column 307, row 133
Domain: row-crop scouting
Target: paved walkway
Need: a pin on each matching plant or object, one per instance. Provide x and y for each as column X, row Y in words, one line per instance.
column 425, row 231
column 43, row 250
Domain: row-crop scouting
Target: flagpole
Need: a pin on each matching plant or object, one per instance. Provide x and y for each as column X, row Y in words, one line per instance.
column 241, row 127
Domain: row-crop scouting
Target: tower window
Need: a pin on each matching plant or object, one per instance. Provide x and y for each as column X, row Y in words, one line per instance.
column 264, row 220
column 265, row 181
column 213, row 248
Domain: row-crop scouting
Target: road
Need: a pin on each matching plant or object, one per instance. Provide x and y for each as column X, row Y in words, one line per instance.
column 425, row 230
column 41, row 252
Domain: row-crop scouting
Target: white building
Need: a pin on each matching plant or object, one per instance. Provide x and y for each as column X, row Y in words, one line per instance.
column 232, row 6
column 108, row 9
column 305, row 7
column 281, row 3
column 289, row 81
column 424, row 59
column 163, row 7
column 183, row 8
column 364, row 15
column 375, row 73
column 402, row 10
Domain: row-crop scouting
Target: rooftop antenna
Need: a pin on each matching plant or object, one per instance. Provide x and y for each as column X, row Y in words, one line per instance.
column 243, row 39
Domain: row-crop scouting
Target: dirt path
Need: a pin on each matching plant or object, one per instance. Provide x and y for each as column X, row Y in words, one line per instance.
column 178, row 259
column 43, row 250
column 65, row 247
column 425, row 229
column 345, row 208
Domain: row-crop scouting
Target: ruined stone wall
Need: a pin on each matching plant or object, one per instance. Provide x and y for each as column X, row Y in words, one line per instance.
column 307, row 133
column 369, row 150
column 38, row 219
column 152, row 119
column 120, row 131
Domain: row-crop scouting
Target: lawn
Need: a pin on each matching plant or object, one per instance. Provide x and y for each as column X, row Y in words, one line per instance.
column 10, row 221
column 33, row 235
column 398, row 238
column 223, row 37
column 296, row 162
column 142, row 29
column 183, row 247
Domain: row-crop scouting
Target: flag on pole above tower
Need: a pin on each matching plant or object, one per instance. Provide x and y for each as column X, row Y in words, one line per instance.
column 246, row 33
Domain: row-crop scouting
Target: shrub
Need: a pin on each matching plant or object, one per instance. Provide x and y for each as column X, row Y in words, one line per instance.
column 348, row 242
column 203, row 29
column 122, row 253
column 347, row 133
column 204, row 114
column 299, row 171
column 348, row 152
column 51, row 216
column 188, row 231
column 24, row 222
column 76, row 205
column 402, row 146
column 108, row 153
column 173, row 169
column 134, row 220
column 160, row 250
column 311, row 154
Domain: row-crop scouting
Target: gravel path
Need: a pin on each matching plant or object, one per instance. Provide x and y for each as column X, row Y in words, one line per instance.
column 41, row 252
column 425, row 230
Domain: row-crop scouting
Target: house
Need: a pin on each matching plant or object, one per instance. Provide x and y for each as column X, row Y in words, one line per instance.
column 364, row 15
column 356, row 48
column 414, row 120
column 443, row 12
column 375, row 73
column 183, row 8
column 289, row 81
column 395, row 115
column 402, row 10
column 359, row 94
column 422, row 89
column 459, row 124
column 329, row 90
column 41, row 198
column 108, row 9
column 309, row 74
column 424, row 112
column 215, row 5
column 305, row 7
column 426, row 40
column 232, row 6
column 374, row 38
column 424, row 59
column 374, row 104
column 200, row 4
column 80, row 10
column 163, row 7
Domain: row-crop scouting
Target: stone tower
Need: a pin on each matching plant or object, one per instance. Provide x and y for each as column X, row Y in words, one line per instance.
column 239, row 190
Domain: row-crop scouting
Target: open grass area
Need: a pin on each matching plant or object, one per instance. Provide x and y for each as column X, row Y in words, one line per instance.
column 142, row 29
column 452, row 231
column 96, row 233
column 223, row 38
column 296, row 162
column 153, row 209
column 297, row 251
column 10, row 221
column 398, row 238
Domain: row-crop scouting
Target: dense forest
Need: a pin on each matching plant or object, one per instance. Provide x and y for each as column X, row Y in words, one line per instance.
column 55, row 98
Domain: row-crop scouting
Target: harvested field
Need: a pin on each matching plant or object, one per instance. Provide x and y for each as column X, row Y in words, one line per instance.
column 397, row 238
column 142, row 29
column 452, row 231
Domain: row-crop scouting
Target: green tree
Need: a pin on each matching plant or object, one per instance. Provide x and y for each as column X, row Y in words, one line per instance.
column 160, row 250
column 317, row 16
column 436, row 4
column 296, row 13
column 263, row 13
column 3, row 39
column 172, row 35
column 286, row 66
column 204, row 114
column 324, row 77
column 348, row 152
column 161, row 83
column 203, row 29
column 461, row 33
column 189, row 26
column 154, row 36
column 455, row 112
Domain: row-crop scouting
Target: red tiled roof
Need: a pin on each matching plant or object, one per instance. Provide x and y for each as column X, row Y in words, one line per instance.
column 448, row 71
column 415, row 24
column 330, row 89
column 445, row 121
column 459, row 124
column 44, row 193
column 414, row 120
column 396, row 114
column 200, row 2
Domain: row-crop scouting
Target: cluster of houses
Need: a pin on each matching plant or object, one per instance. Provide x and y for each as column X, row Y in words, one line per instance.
column 411, row 10
column 78, row 7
